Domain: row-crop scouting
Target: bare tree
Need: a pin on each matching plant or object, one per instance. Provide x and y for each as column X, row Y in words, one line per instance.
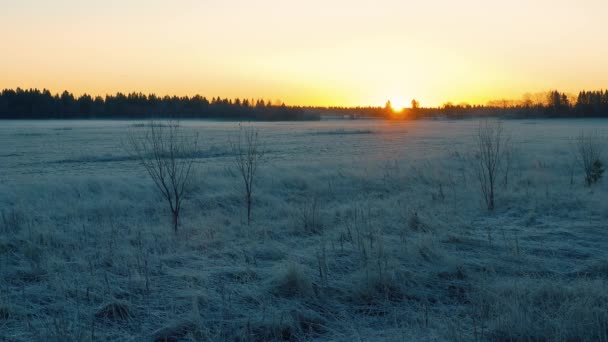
column 248, row 154
column 589, row 151
column 490, row 141
column 167, row 155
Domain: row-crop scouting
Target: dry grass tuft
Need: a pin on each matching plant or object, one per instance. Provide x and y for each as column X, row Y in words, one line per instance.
column 177, row 331
column 117, row 311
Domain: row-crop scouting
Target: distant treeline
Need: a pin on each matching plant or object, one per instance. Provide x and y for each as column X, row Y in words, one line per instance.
column 36, row 104
column 553, row 104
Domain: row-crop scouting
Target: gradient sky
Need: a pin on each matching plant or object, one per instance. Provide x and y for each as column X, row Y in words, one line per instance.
column 314, row 52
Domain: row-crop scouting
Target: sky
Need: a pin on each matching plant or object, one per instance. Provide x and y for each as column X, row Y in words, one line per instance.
column 314, row 52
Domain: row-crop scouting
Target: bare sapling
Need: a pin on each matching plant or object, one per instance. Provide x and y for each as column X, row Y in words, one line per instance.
column 490, row 145
column 166, row 153
column 248, row 155
column 589, row 154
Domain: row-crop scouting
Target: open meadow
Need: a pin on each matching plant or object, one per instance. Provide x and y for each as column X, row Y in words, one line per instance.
column 361, row 230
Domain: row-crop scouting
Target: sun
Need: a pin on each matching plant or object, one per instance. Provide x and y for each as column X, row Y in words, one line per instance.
column 398, row 106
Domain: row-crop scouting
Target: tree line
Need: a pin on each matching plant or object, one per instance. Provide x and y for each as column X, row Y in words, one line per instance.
column 553, row 104
column 36, row 104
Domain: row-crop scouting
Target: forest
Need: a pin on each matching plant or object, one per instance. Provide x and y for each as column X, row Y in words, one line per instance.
column 552, row 104
column 36, row 104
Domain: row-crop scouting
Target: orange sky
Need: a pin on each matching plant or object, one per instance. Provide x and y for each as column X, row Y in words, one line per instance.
column 307, row 52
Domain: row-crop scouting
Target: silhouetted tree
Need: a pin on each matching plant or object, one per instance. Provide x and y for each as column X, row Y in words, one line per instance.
column 388, row 105
column 415, row 104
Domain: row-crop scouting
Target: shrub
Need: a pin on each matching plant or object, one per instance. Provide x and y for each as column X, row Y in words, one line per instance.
column 588, row 146
column 597, row 170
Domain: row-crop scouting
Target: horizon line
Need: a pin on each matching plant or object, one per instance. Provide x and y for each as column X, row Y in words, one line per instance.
column 497, row 102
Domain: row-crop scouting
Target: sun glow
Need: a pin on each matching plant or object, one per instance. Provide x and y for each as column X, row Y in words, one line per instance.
column 336, row 62
column 398, row 109
column 398, row 106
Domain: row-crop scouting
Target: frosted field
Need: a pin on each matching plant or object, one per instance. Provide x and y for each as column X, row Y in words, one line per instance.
column 401, row 247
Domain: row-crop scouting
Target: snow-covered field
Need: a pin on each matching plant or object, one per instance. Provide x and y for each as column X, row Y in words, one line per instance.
column 401, row 248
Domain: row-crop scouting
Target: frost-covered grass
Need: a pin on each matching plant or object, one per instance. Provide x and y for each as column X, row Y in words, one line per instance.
column 378, row 236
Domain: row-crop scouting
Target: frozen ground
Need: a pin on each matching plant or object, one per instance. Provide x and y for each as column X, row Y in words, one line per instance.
column 400, row 247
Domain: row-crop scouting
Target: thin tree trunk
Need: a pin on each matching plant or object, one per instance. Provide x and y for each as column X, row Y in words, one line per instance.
column 175, row 221
column 248, row 209
column 491, row 206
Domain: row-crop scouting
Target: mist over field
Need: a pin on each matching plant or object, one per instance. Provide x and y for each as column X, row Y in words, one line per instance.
column 359, row 230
